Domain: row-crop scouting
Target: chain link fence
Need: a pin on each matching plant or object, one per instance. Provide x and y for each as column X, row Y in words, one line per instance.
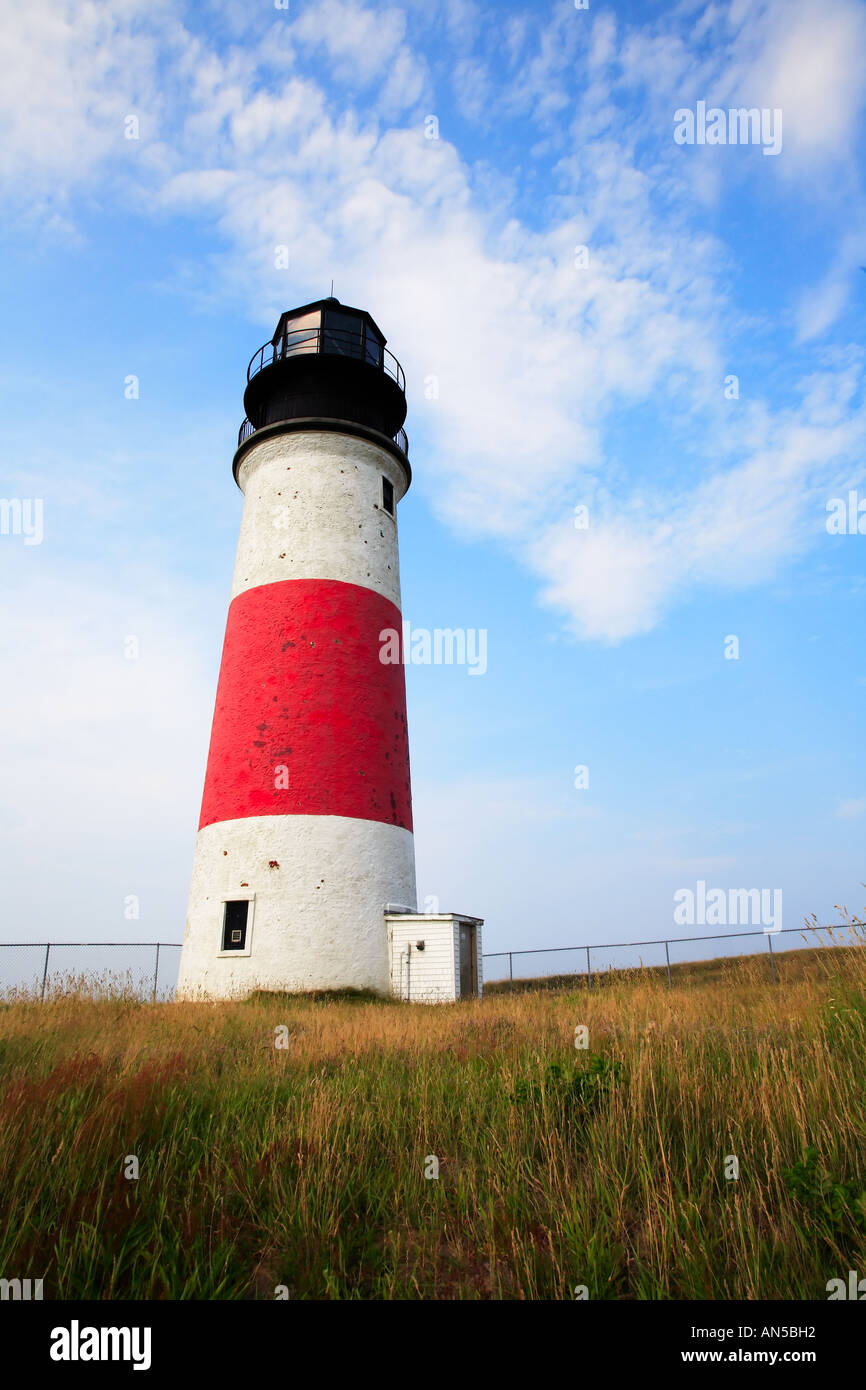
column 42, row 970
column 149, row 969
column 671, row 957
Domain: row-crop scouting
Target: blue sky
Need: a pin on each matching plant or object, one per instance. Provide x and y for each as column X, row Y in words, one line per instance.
column 558, row 385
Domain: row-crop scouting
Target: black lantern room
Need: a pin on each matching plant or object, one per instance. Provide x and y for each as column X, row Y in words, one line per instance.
column 327, row 362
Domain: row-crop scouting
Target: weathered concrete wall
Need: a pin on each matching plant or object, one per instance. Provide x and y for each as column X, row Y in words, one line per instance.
column 313, row 510
column 317, row 915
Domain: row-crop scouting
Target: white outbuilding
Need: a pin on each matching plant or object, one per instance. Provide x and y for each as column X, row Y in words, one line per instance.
column 435, row 958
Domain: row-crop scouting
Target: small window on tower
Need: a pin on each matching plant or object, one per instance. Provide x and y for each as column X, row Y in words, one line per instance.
column 235, row 926
column 388, row 495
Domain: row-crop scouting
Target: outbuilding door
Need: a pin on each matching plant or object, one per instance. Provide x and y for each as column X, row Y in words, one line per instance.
column 468, row 973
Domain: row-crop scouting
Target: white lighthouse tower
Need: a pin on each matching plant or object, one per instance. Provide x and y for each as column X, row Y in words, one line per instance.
column 304, row 869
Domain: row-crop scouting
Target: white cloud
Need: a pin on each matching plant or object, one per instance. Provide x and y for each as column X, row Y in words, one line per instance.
column 809, row 62
column 731, row 530
column 820, row 305
column 534, row 357
column 362, row 42
column 365, row 45
column 72, row 72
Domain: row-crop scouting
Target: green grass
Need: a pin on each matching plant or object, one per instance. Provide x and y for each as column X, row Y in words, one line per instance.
column 305, row 1166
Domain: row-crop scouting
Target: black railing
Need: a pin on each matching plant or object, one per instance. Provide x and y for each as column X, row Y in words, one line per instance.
column 247, row 428
column 667, row 942
column 337, row 341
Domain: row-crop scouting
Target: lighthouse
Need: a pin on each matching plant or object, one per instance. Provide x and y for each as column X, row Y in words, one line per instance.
column 304, row 867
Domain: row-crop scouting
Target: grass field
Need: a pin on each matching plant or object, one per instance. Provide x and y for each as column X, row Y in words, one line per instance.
column 303, row 1166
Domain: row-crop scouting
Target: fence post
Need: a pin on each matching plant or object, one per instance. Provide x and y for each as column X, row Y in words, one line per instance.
column 668, row 959
column 588, row 971
column 155, row 972
column 772, row 960
column 45, row 971
column 510, row 974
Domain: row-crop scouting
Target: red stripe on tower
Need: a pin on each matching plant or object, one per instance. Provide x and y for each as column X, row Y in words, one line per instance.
column 308, row 719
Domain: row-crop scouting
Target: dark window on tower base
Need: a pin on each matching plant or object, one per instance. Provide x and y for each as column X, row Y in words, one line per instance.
column 235, row 926
column 388, row 495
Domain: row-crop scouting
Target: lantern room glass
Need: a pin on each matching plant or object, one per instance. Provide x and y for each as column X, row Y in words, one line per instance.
column 343, row 334
column 301, row 334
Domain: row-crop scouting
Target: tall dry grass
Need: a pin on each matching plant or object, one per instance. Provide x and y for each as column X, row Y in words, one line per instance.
column 304, row 1167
